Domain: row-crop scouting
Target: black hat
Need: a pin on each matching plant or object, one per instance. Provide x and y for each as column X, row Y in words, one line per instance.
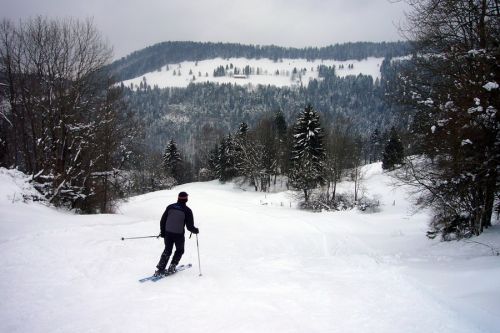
column 183, row 196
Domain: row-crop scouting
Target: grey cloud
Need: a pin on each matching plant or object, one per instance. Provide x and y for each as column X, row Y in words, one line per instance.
column 130, row 24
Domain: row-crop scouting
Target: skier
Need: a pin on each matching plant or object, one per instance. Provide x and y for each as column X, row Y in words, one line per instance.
column 173, row 220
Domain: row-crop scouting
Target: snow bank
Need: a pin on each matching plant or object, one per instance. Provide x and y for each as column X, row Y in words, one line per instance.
column 15, row 187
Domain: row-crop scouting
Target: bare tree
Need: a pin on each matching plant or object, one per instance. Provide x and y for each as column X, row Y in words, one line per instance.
column 57, row 93
column 339, row 145
column 452, row 83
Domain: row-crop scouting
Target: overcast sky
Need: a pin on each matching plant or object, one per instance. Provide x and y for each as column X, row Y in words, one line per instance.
column 131, row 25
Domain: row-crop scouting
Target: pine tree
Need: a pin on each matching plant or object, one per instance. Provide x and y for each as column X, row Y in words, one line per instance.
column 282, row 144
column 172, row 161
column 240, row 149
column 213, row 162
column 226, row 167
column 393, row 152
column 308, row 154
column 280, row 124
column 375, row 146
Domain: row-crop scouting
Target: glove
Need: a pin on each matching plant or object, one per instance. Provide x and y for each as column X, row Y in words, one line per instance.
column 196, row 231
column 161, row 235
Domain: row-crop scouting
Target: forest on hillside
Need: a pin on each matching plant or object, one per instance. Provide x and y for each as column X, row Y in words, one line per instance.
column 182, row 114
column 154, row 57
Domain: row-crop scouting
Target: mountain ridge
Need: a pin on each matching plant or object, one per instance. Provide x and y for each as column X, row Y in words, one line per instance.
column 155, row 56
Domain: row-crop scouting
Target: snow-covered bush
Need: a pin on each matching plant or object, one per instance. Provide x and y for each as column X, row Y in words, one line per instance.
column 313, row 205
column 319, row 202
column 17, row 186
column 342, row 202
column 450, row 226
column 369, row 205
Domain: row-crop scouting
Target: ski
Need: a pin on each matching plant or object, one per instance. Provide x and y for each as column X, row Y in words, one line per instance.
column 156, row 278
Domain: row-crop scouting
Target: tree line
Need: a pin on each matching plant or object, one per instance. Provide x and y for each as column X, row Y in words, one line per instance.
column 156, row 56
column 307, row 155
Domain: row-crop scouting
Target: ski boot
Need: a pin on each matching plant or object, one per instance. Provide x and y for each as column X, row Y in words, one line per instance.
column 172, row 269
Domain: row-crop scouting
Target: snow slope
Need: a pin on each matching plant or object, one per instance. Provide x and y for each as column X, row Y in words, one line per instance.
column 203, row 71
column 267, row 267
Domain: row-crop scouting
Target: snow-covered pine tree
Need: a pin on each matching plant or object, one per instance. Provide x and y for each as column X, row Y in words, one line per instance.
column 213, row 162
column 393, row 151
column 172, row 161
column 226, row 167
column 308, row 153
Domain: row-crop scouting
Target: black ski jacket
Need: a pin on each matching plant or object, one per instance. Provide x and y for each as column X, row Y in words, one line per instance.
column 175, row 218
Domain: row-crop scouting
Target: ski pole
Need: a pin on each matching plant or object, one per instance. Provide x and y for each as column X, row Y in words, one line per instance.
column 124, row 238
column 198, row 247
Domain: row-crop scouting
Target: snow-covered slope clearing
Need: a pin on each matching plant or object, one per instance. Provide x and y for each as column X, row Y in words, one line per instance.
column 285, row 72
column 267, row 267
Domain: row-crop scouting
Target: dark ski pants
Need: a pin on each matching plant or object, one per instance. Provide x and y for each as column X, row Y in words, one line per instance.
column 172, row 239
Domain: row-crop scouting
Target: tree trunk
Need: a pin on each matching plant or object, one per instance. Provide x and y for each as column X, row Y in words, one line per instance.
column 328, row 191
column 481, row 26
column 334, row 189
column 489, row 200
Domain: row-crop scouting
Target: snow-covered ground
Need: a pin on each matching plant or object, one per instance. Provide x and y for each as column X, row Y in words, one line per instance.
column 267, row 267
column 265, row 71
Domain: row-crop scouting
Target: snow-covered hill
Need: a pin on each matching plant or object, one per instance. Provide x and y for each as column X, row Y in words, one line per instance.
column 266, row 267
column 264, row 71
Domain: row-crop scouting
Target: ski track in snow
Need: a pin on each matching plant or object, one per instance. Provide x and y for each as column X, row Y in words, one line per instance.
column 267, row 267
